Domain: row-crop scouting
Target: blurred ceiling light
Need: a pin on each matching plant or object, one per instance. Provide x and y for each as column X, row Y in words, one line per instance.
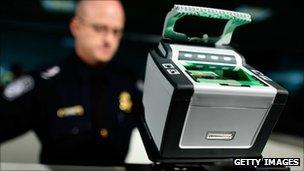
column 58, row 6
column 258, row 14
column 291, row 79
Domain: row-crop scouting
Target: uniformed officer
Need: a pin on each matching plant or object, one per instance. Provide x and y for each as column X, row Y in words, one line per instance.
column 83, row 110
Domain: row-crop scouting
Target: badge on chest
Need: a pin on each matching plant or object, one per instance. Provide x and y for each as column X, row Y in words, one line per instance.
column 125, row 102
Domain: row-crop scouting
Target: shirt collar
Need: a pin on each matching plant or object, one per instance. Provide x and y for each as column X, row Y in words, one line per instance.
column 86, row 71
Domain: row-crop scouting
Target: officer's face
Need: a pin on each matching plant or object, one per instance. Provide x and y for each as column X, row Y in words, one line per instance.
column 98, row 28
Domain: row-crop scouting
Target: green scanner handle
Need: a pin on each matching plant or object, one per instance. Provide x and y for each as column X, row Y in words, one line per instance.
column 235, row 19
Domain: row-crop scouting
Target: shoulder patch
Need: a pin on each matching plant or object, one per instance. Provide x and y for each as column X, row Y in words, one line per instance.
column 18, row 87
column 50, row 72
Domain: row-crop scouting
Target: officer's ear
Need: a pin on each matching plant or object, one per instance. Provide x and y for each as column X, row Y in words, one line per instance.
column 74, row 25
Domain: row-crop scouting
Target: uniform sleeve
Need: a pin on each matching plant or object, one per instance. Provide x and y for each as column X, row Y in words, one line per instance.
column 137, row 93
column 18, row 107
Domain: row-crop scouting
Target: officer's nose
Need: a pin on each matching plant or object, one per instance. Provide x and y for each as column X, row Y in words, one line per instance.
column 109, row 39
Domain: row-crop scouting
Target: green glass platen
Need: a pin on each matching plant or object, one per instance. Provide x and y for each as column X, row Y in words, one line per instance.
column 234, row 19
column 220, row 74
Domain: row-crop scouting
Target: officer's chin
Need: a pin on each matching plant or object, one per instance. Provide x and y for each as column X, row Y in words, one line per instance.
column 103, row 60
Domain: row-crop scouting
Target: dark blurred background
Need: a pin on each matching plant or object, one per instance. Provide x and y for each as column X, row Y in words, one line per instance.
column 35, row 32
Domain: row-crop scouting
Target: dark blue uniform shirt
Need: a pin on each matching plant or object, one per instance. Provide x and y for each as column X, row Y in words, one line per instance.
column 82, row 115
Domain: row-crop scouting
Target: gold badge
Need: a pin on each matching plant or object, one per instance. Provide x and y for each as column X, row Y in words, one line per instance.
column 125, row 102
column 70, row 111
